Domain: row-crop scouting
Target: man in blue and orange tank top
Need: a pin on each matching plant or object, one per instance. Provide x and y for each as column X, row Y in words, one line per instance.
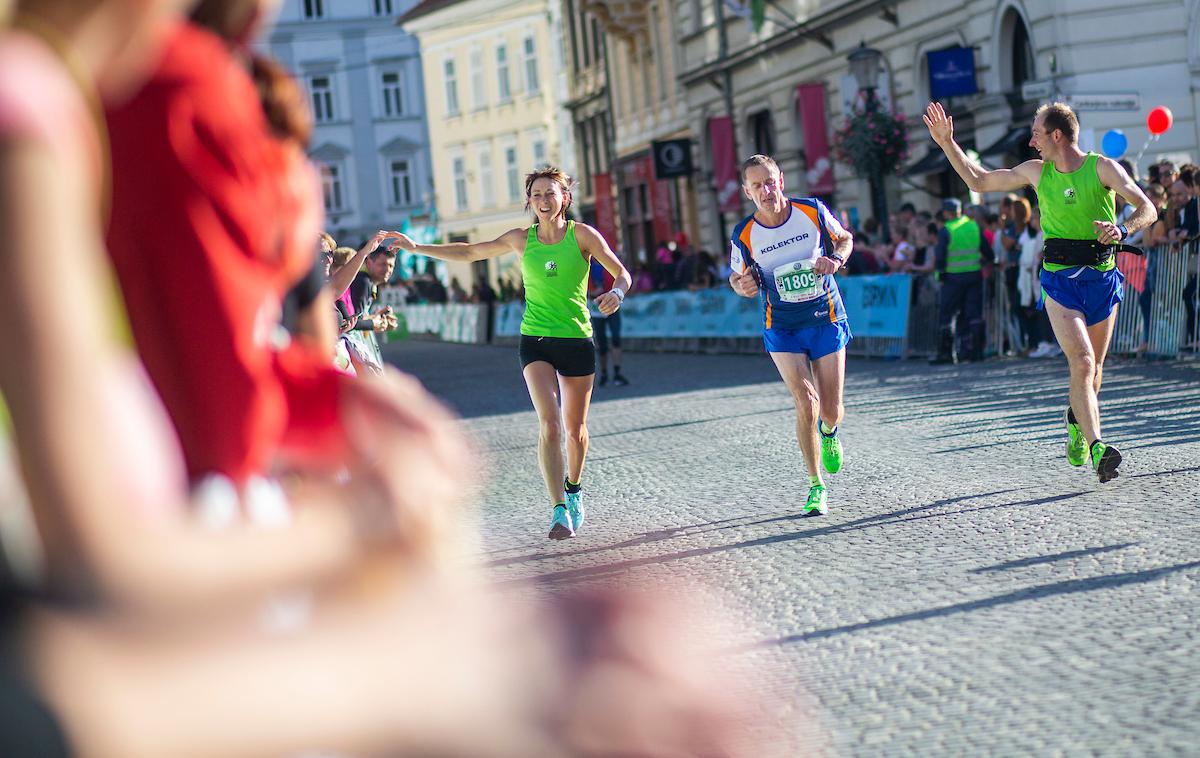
column 787, row 253
column 1081, row 285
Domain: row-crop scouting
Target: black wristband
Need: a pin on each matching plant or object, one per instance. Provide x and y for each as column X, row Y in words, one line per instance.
column 834, row 256
column 1124, row 230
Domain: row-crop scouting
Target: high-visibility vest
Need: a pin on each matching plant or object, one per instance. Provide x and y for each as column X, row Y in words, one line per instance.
column 962, row 254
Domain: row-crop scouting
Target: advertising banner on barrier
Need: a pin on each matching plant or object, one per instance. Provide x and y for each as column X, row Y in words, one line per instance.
column 877, row 304
column 453, row 322
column 508, row 319
column 877, row 307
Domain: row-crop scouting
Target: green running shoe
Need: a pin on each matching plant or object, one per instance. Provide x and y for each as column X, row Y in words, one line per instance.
column 575, row 508
column 1076, row 444
column 560, row 525
column 1105, row 459
column 831, row 450
column 816, row 504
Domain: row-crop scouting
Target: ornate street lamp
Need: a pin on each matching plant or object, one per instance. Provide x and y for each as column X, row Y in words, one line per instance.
column 865, row 67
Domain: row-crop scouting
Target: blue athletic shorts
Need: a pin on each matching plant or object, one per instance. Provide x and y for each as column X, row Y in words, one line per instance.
column 814, row 341
column 1093, row 293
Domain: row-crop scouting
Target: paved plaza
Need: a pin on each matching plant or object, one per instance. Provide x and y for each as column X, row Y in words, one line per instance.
column 969, row 593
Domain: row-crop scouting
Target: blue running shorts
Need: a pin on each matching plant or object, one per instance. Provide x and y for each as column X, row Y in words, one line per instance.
column 814, row 341
column 1093, row 293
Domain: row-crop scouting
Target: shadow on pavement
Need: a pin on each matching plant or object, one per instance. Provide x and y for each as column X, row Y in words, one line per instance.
column 1029, row 593
column 887, row 519
column 1052, row 558
column 734, row 523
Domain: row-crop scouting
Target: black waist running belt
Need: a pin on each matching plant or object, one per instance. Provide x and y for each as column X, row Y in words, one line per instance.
column 1083, row 252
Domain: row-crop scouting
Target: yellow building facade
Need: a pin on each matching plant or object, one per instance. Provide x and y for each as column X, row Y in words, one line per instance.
column 495, row 85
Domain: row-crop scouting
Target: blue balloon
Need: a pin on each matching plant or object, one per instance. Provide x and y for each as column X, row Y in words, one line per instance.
column 1114, row 143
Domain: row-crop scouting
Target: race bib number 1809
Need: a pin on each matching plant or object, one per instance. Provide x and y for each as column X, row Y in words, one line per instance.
column 797, row 282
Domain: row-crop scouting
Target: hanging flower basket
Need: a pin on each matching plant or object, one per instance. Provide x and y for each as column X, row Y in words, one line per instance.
column 873, row 142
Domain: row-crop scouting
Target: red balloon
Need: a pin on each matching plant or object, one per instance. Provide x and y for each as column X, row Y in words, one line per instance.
column 1159, row 120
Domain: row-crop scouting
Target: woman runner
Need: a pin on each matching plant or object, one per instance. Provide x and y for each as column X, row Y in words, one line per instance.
column 558, row 359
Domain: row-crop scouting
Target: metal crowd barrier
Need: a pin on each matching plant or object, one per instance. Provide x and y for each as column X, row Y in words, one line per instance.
column 1160, row 299
column 1156, row 319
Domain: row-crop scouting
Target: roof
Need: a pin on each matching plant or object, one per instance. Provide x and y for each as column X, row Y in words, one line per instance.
column 424, row 8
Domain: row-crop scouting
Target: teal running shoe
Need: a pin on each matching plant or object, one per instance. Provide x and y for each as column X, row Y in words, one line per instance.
column 831, row 450
column 1076, row 444
column 1105, row 459
column 560, row 524
column 575, row 508
column 816, row 504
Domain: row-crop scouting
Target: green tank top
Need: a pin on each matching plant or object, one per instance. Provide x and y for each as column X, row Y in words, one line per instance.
column 962, row 254
column 555, row 278
column 1070, row 202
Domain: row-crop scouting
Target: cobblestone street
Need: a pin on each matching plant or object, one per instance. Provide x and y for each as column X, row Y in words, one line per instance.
column 969, row 593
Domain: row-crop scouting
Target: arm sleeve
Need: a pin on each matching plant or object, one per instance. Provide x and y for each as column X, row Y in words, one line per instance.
column 736, row 260
column 832, row 225
column 360, row 295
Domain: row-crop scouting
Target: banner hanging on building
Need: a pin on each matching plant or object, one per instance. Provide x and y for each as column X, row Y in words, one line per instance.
column 819, row 169
column 725, row 165
column 606, row 219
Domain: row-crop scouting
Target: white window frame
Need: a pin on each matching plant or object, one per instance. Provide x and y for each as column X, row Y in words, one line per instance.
column 400, row 182
column 538, row 147
column 486, row 174
column 512, row 170
column 503, row 79
column 450, row 77
column 392, row 93
column 333, row 187
column 478, row 80
column 458, row 167
column 311, row 10
column 322, row 98
column 533, row 83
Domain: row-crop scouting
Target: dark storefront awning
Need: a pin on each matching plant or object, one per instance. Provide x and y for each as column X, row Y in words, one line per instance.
column 934, row 162
column 1010, row 143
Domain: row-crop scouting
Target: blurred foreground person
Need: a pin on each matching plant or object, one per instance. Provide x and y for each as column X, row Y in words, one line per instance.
column 217, row 206
column 123, row 624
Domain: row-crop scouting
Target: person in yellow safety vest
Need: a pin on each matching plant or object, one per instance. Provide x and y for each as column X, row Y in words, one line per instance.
column 959, row 250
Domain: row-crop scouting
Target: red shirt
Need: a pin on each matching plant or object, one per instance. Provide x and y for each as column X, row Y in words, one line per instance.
column 208, row 231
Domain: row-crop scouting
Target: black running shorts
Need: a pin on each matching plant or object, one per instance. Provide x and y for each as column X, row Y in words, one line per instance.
column 570, row 356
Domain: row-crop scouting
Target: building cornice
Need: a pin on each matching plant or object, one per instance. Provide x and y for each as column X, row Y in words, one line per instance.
column 815, row 29
column 456, row 14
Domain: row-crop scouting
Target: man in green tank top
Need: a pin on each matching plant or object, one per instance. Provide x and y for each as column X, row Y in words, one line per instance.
column 960, row 245
column 1080, row 283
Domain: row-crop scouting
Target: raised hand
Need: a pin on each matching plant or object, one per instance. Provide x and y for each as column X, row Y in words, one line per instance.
column 941, row 126
column 374, row 242
column 400, row 240
column 405, row 444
